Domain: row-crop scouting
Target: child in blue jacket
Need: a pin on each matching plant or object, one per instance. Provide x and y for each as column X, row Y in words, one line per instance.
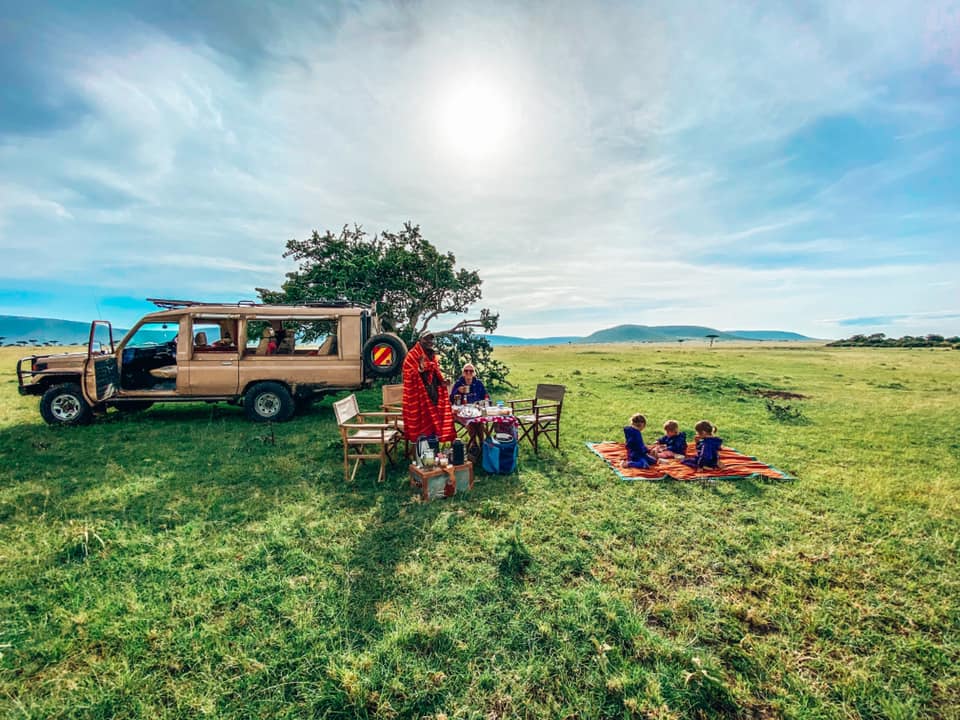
column 637, row 454
column 708, row 447
column 673, row 444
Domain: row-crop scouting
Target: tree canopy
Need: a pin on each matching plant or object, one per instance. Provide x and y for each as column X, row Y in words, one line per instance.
column 405, row 278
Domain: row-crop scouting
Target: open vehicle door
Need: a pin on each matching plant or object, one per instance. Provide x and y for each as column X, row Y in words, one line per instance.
column 101, row 377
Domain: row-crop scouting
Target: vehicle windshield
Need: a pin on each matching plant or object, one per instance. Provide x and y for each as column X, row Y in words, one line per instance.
column 151, row 334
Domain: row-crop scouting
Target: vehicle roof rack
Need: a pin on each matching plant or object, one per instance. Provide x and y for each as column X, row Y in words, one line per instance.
column 167, row 304
column 174, row 304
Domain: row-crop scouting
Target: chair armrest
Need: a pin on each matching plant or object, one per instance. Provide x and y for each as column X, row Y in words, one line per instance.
column 368, row 426
column 525, row 403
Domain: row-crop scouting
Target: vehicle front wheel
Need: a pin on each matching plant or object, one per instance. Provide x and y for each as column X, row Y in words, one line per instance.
column 268, row 401
column 65, row 405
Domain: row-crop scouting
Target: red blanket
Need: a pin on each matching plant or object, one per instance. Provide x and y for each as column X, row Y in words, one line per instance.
column 733, row 466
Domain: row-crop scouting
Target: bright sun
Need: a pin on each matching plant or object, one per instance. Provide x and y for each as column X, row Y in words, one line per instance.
column 475, row 119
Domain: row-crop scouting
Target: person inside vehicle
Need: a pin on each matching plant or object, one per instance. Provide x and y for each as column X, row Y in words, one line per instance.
column 226, row 340
column 268, row 342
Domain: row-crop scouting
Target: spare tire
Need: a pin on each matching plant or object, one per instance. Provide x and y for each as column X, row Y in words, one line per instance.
column 383, row 355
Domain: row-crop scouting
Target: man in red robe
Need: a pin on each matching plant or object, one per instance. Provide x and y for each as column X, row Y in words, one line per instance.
column 426, row 406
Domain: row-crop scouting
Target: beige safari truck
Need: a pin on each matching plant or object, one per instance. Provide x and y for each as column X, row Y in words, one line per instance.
column 271, row 359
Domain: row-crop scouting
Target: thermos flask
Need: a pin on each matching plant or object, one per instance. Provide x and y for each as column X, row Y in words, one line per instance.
column 458, row 453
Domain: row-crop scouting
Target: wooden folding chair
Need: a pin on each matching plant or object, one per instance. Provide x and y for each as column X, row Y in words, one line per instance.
column 364, row 440
column 392, row 402
column 540, row 415
column 392, row 398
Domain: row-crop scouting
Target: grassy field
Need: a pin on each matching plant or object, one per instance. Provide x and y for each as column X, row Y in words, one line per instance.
column 178, row 563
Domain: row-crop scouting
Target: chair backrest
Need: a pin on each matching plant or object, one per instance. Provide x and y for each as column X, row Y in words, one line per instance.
column 551, row 393
column 345, row 410
column 393, row 394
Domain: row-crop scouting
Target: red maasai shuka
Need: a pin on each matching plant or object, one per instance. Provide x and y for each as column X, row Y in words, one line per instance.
column 733, row 465
column 420, row 415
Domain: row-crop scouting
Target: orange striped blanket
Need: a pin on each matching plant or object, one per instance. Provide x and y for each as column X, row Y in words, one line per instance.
column 733, row 466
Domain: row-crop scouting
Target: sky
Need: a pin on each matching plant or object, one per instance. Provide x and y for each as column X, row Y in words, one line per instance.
column 740, row 165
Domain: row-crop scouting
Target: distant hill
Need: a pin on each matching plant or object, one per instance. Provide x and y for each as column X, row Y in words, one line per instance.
column 658, row 333
column 510, row 340
column 767, row 335
column 14, row 328
column 651, row 333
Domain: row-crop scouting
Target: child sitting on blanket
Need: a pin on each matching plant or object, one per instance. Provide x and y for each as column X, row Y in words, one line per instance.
column 673, row 444
column 708, row 447
column 637, row 455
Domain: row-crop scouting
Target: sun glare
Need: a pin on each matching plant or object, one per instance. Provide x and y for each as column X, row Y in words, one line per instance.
column 475, row 119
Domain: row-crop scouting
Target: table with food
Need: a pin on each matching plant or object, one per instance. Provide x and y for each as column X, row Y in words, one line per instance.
column 481, row 420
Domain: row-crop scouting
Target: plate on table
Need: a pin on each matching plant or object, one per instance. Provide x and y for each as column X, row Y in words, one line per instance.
column 466, row 411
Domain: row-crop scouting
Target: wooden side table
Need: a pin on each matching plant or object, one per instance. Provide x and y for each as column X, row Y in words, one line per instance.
column 439, row 482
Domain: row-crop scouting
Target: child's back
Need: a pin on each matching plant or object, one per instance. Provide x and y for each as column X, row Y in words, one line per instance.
column 637, row 455
column 708, row 453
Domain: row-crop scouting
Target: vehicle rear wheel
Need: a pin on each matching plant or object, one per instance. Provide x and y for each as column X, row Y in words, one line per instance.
column 268, row 401
column 383, row 355
column 65, row 405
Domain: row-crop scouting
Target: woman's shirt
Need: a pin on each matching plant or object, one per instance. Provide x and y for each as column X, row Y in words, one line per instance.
column 475, row 393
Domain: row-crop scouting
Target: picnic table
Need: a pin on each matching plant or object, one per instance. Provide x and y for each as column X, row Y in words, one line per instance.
column 479, row 425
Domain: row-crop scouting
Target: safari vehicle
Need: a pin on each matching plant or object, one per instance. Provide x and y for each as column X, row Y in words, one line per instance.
column 271, row 359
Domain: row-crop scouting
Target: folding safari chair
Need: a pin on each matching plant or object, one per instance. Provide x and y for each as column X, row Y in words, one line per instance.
column 364, row 440
column 540, row 415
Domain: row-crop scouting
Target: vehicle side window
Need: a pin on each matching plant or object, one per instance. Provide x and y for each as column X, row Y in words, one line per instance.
column 280, row 337
column 214, row 335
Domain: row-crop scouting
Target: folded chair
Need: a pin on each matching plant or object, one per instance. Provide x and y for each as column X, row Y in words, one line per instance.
column 392, row 403
column 364, row 439
column 540, row 415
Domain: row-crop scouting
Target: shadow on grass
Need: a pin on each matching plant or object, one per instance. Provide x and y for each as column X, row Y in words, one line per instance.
column 403, row 526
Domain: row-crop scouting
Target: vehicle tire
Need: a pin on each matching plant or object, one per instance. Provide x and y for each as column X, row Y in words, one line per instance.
column 134, row 406
column 383, row 355
column 268, row 402
column 65, row 405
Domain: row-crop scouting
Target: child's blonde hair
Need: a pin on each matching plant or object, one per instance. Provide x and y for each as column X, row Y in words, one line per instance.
column 638, row 419
column 671, row 425
column 705, row 427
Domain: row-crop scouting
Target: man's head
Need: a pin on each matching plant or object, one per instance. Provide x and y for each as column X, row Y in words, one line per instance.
column 427, row 340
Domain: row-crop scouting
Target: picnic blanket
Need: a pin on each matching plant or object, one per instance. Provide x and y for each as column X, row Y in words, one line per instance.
column 733, row 465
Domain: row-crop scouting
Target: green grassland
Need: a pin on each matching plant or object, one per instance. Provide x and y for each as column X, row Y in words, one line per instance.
column 186, row 563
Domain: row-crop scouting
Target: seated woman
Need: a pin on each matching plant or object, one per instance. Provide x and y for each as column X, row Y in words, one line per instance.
column 467, row 389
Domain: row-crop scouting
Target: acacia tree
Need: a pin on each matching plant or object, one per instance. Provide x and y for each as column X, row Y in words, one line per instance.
column 408, row 282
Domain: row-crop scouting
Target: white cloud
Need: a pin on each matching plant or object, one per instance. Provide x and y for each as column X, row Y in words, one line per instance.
column 633, row 143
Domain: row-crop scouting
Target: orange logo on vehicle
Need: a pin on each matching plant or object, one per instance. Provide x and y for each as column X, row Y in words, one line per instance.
column 383, row 355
